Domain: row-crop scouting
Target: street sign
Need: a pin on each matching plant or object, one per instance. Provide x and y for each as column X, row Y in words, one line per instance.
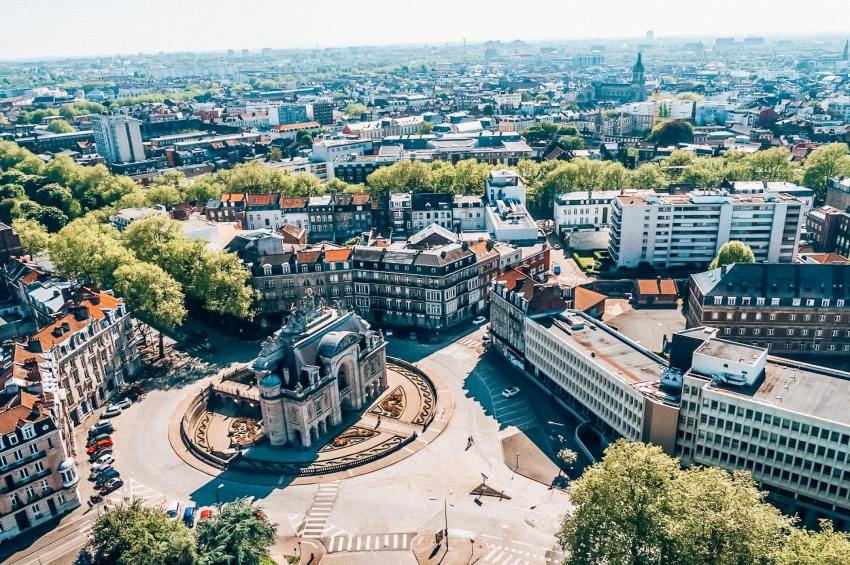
column 440, row 534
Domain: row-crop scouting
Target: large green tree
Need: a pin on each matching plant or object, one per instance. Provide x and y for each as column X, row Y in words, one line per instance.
column 59, row 126
column 622, row 505
column 33, row 235
column 824, row 547
column 131, row 534
column 671, row 132
column 152, row 295
column 356, row 110
column 824, row 163
column 86, row 248
column 733, row 252
column 773, row 164
column 240, row 534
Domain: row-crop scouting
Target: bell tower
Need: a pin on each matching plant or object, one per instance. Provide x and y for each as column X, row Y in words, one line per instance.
column 638, row 81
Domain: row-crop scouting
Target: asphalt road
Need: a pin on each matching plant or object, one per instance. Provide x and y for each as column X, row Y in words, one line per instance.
column 406, row 497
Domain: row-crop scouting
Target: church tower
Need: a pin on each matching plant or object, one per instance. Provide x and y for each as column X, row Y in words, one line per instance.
column 845, row 57
column 638, row 81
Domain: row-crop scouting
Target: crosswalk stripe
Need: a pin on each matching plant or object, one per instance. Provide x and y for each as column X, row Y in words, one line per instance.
column 395, row 541
column 498, row 557
column 359, row 540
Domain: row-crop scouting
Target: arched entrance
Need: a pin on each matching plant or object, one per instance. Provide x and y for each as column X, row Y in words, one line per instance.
column 344, row 379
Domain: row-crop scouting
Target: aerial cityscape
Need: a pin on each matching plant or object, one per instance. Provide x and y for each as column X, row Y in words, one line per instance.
column 506, row 297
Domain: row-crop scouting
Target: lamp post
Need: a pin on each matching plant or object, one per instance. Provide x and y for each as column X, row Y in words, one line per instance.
column 217, row 498
column 446, row 518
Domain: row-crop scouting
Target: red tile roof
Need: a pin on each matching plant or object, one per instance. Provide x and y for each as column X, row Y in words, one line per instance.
column 335, row 255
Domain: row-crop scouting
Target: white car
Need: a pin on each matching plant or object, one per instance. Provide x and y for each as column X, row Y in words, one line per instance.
column 103, row 462
column 173, row 510
column 509, row 392
column 111, row 412
column 479, row 320
column 123, row 404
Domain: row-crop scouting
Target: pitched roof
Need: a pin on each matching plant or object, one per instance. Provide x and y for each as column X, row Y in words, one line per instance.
column 586, row 299
column 657, row 287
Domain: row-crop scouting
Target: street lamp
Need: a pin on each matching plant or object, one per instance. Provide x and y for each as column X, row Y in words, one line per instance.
column 217, row 499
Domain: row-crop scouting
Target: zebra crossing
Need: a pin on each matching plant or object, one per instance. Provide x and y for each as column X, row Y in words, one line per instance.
column 317, row 516
column 471, row 343
column 372, row 542
column 134, row 489
column 192, row 345
column 503, row 555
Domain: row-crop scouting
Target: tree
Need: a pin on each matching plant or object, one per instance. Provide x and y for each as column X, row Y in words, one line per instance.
column 571, row 142
column 59, row 197
column 402, row 176
column 240, row 534
column 59, row 126
column 733, row 252
column 159, row 240
column 825, row 547
column 221, row 281
column 275, row 155
column 130, row 534
column 204, row 188
column 153, row 297
column 50, row 217
column 568, row 456
column 304, row 138
column 355, row 110
column 80, row 108
column 33, row 235
column 488, row 110
column 824, row 163
column 648, row 176
column 772, row 165
column 671, row 132
column 163, row 194
column 722, row 518
column 426, row 128
column 541, row 132
column 622, row 504
column 541, row 97
column 86, row 248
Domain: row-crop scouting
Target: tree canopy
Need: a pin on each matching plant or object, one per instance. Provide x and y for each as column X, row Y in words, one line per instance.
column 638, row 506
column 59, row 126
column 356, row 110
column 824, row 163
column 671, row 132
column 733, row 252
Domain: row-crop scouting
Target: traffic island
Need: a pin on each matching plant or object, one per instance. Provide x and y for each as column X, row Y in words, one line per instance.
column 208, row 429
column 451, row 551
column 523, row 457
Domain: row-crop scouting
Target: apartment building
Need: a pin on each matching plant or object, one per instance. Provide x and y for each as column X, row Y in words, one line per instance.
column 838, row 193
column 118, row 138
column 431, row 282
column 283, row 272
column 339, row 217
column 796, row 309
column 688, row 229
column 579, row 210
column 431, row 208
column 37, row 467
column 829, row 228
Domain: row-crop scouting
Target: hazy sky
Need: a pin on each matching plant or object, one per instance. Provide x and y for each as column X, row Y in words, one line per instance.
column 56, row 28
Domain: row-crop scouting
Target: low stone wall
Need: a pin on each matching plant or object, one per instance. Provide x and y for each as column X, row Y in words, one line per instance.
column 432, row 408
column 188, row 427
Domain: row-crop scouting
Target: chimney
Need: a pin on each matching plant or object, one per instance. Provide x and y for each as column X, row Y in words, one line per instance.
column 66, row 327
column 82, row 313
column 34, row 345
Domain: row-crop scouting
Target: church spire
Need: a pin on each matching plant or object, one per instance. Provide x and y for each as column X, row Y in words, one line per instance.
column 846, row 48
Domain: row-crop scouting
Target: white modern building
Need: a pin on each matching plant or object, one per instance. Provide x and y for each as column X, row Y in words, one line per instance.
column 505, row 215
column 504, row 184
column 688, row 229
column 118, row 138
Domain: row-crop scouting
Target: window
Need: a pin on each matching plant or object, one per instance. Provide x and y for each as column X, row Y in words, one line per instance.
column 731, row 301
column 810, row 302
column 824, row 302
column 839, row 302
column 718, row 300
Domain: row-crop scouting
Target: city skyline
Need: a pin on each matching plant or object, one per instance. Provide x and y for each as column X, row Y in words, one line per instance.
column 160, row 26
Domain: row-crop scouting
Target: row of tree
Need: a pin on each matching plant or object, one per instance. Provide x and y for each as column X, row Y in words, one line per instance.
column 637, row 506
column 152, row 265
column 546, row 179
column 131, row 534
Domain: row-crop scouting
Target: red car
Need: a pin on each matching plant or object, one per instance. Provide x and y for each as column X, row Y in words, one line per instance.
column 104, row 443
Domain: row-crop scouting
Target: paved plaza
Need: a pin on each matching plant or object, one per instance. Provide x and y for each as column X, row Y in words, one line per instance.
column 418, row 493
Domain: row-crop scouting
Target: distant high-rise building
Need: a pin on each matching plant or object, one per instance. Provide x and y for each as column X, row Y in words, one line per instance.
column 266, row 52
column 230, row 53
column 323, row 112
column 118, row 138
column 244, row 52
column 845, row 57
column 650, row 35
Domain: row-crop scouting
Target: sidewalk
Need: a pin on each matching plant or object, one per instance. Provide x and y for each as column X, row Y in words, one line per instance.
column 289, row 546
column 460, row 551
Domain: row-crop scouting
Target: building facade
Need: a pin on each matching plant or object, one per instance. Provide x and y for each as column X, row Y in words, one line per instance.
column 688, row 229
column 797, row 309
column 118, row 138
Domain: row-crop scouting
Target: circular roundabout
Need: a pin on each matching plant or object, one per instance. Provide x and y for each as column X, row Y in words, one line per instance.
column 219, row 430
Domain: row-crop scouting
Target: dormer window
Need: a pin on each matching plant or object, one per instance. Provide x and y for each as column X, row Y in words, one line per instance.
column 285, row 268
column 795, row 302
column 28, row 432
column 810, row 302
column 731, row 300
column 267, row 270
column 13, row 439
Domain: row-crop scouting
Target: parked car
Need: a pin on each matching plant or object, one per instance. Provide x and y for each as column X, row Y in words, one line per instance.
column 189, row 515
column 204, row 516
column 103, row 462
column 100, row 453
column 102, row 427
column 105, row 477
column 96, row 474
column 509, row 392
column 173, row 510
column 123, row 404
column 101, row 444
column 111, row 412
column 556, row 269
column 94, row 439
column 111, row 485
column 479, row 320
column 486, row 337
column 133, row 393
column 557, row 246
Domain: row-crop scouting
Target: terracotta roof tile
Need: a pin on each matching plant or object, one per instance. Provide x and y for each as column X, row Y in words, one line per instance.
column 335, row 255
